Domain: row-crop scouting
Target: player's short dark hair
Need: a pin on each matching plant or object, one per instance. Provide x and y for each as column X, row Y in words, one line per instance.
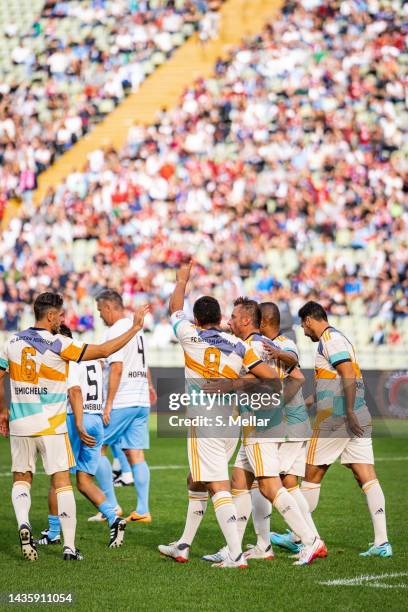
column 45, row 302
column 270, row 313
column 110, row 295
column 313, row 310
column 251, row 308
column 207, row 311
column 65, row 331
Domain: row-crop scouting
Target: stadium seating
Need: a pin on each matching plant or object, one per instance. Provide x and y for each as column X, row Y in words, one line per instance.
column 277, row 189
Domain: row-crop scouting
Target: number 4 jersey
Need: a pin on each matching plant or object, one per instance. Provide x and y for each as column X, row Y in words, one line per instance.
column 37, row 362
column 134, row 386
column 87, row 376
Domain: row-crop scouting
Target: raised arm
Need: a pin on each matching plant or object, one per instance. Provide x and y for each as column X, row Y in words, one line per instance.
column 177, row 298
column 102, row 351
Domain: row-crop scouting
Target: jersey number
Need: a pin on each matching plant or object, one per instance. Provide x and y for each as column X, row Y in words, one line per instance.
column 140, row 349
column 92, row 383
column 212, row 358
column 28, row 366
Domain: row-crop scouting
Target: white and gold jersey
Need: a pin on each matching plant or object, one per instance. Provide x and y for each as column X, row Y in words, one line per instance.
column 37, row 362
column 211, row 353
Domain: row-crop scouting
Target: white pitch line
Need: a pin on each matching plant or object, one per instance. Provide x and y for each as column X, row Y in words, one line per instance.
column 185, row 467
column 374, row 581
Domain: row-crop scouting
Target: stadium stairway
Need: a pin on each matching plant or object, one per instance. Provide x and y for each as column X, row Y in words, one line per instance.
column 162, row 89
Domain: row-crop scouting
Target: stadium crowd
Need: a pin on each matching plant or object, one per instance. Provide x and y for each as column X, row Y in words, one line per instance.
column 78, row 62
column 284, row 175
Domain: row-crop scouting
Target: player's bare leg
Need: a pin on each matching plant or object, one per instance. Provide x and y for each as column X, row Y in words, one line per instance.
column 366, row 476
column 21, row 499
column 196, row 509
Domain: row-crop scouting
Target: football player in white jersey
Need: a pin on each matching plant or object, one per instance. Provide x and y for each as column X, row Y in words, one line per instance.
column 127, row 406
column 259, row 457
column 292, row 452
column 342, row 428
column 37, row 360
column 211, row 354
column 85, row 430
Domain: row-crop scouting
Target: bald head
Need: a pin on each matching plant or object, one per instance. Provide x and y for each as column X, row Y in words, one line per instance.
column 270, row 314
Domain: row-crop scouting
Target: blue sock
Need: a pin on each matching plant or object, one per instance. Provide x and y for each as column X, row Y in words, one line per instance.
column 104, row 477
column 141, row 476
column 54, row 526
column 120, row 455
column 108, row 511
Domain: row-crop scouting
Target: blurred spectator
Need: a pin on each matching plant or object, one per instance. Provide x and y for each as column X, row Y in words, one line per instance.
column 284, row 175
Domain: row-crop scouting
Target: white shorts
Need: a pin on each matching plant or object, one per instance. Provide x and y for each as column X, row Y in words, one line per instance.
column 55, row 451
column 261, row 459
column 292, row 458
column 209, row 457
column 324, row 450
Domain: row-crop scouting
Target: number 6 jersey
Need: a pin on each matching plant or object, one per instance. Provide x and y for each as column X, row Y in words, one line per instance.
column 37, row 362
column 87, row 376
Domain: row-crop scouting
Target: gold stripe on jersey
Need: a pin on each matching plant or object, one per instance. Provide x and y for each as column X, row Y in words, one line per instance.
column 229, row 372
column 54, row 421
column 72, row 352
column 191, row 364
column 51, row 373
column 325, row 374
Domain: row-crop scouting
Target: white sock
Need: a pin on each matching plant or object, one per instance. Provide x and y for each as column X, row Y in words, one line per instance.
column 376, row 506
column 197, row 505
column 67, row 514
column 289, row 510
column 115, row 465
column 311, row 493
column 227, row 520
column 242, row 503
column 21, row 498
column 261, row 517
column 304, row 508
column 127, row 477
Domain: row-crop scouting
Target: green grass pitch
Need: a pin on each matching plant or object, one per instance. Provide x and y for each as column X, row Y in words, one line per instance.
column 135, row 577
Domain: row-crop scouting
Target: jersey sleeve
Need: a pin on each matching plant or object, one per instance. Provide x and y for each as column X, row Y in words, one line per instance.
column 116, row 330
column 336, row 349
column 182, row 327
column 251, row 358
column 73, row 375
column 71, row 350
column 4, row 363
column 289, row 346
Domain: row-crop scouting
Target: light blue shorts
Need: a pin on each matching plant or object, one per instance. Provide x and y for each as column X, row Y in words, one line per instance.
column 129, row 427
column 86, row 457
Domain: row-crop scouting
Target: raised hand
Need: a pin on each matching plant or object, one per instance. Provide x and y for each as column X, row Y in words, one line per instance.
column 139, row 315
column 183, row 273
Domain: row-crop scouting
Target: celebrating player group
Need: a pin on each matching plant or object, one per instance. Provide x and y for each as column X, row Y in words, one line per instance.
column 281, row 460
